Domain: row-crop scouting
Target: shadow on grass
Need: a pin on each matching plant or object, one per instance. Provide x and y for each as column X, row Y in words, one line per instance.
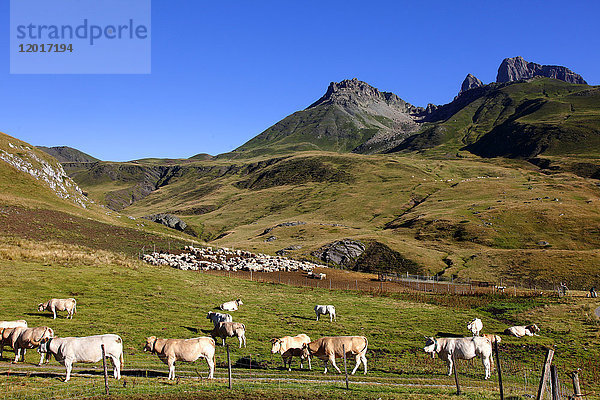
column 300, row 317
column 41, row 314
column 189, row 328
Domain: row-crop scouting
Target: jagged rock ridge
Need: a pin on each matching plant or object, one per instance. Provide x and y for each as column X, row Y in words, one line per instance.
column 516, row 68
column 470, row 82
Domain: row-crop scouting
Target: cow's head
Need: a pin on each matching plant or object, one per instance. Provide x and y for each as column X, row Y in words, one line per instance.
column 44, row 346
column 40, row 307
column 430, row 346
column 533, row 328
column 305, row 350
column 210, row 314
column 150, row 342
column 276, row 345
column 239, row 302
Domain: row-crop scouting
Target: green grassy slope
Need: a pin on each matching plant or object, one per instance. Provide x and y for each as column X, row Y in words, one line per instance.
column 472, row 217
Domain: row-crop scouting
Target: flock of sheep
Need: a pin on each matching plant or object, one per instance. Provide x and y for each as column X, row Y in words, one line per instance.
column 224, row 259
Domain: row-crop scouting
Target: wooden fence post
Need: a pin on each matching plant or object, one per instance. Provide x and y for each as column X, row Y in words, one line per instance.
column 228, row 366
column 458, row 392
column 576, row 388
column 499, row 369
column 554, row 380
column 105, row 372
column 345, row 367
column 545, row 374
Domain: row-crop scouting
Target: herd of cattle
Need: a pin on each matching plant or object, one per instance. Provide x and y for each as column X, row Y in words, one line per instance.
column 88, row 349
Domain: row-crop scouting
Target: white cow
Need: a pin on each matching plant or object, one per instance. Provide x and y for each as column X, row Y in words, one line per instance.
column 231, row 305
column 54, row 305
column 85, row 349
column 320, row 309
column 462, row 349
column 217, row 317
column 523, row 330
column 20, row 323
column 475, row 326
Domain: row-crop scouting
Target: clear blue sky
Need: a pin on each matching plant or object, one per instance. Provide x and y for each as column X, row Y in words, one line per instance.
column 223, row 71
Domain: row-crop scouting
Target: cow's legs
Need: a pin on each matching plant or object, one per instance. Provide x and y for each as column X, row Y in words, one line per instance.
column 116, row 367
column 332, row 360
column 317, row 315
column 449, row 364
column 309, row 366
column 486, row 365
column 364, row 360
column 325, row 361
column 358, row 361
column 171, row 364
column 42, row 355
column 17, row 354
column 69, row 366
column 211, row 367
column 54, row 313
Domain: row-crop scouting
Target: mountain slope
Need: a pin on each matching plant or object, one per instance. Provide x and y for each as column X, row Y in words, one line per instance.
column 67, row 154
column 351, row 116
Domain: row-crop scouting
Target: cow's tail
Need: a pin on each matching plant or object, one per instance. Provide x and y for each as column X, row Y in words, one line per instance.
column 364, row 350
column 122, row 361
column 75, row 306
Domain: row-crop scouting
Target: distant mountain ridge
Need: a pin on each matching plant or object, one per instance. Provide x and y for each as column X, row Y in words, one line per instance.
column 516, row 68
column 67, row 154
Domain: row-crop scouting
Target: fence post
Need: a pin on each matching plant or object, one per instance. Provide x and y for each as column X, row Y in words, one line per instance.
column 545, row 373
column 228, row 366
column 105, row 373
column 554, row 380
column 345, row 367
column 458, row 392
column 576, row 388
column 499, row 369
column 329, row 284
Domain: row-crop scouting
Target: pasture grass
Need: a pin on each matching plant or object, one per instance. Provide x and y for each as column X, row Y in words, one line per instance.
column 136, row 300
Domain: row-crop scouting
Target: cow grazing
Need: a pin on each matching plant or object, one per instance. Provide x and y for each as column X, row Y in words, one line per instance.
column 461, row 349
column 21, row 323
column 230, row 329
column 85, row 349
column 54, row 305
column 319, row 309
column 289, row 347
column 216, row 317
column 523, row 330
column 231, row 305
column 475, row 326
column 328, row 348
column 22, row 339
column 189, row 350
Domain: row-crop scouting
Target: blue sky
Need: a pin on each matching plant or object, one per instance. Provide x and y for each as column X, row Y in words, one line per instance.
column 222, row 72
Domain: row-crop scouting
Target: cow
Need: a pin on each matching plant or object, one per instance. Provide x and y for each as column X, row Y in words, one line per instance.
column 475, row 326
column 289, row 347
column 21, row 323
column 5, row 335
column 319, row 309
column 188, row 350
column 28, row 338
column 464, row 348
column 86, row 349
column 523, row 330
column 231, row 305
column 216, row 317
column 230, row 329
column 54, row 305
column 328, row 348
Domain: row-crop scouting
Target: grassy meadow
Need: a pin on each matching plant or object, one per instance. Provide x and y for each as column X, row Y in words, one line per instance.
column 136, row 300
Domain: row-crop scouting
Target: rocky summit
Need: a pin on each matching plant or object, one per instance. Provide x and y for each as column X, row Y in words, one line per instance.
column 470, row 82
column 516, row 69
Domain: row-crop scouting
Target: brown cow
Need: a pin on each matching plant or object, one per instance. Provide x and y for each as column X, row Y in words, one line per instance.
column 230, row 329
column 289, row 347
column 29, row 338
column 328, row 348
column 188, row 350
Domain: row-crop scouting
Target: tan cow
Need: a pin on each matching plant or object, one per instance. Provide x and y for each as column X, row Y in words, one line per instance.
column 523, row 330
column 54, row 305
column 328, row 348
column 230, row 329
column 6, row 327
column 29, row 338
column 289, row 347
column 188, row 350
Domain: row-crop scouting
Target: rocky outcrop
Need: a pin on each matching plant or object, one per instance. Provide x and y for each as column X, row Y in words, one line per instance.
column 516, row 68
column 470, row 82
column 65, row 154
column 283, row 224
column 168, row 220
column 342, row 252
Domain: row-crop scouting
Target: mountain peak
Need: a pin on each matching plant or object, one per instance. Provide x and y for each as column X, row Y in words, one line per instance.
column 516, row 68
column 470, row 82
